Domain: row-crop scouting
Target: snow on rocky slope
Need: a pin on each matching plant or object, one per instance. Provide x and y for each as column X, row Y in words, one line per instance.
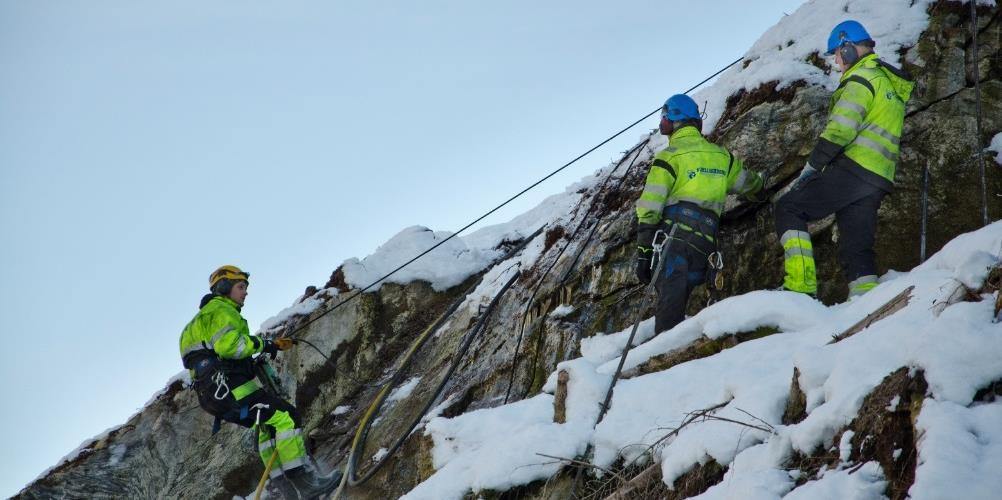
column 957, row 347
column 805, row 417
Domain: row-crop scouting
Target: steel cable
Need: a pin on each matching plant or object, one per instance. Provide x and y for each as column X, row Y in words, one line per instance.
column 302, row 326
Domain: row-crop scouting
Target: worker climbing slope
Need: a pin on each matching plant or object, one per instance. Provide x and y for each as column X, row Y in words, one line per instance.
column 851, row 168
column 217, row 347
column 679, row 209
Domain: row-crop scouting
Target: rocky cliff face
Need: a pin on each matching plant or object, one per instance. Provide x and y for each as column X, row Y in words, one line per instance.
column 166, row 451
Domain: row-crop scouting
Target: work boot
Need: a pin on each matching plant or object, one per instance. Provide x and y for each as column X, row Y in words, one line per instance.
column 305, row 483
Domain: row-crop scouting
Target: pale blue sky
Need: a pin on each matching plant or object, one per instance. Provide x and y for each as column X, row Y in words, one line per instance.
column 143, row 144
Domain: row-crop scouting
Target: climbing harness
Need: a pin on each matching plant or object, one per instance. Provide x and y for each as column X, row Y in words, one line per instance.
column 358, row 444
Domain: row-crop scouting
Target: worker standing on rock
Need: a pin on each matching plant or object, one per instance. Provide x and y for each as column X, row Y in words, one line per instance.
column 852, row 166
column 217, row 347
column 681, row 205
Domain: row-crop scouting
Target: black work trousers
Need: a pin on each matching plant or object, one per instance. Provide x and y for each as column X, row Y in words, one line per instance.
column 685, row 266
column 836, row 190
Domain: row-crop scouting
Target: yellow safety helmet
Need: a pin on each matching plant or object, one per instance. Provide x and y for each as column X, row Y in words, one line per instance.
column 227, row 273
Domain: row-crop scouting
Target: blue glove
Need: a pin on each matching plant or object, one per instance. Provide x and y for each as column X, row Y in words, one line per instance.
column 806, row 174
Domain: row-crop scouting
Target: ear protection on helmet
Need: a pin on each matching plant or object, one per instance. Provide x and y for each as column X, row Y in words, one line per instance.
column 849, row 53
column 223, row 287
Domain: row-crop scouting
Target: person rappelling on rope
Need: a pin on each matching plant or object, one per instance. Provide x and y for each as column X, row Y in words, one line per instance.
column 679, row 209
column 217, row 348
column 851, row 168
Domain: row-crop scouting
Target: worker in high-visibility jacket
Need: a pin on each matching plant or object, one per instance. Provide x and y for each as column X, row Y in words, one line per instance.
column 852, row 166
column 216, row 346
column 686, row 188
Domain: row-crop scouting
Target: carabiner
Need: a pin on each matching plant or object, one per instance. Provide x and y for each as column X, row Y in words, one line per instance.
column 658, row 244
column 716, row 260
column 220, row 381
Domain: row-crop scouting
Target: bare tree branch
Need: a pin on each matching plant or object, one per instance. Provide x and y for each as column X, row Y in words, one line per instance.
column 579, row 463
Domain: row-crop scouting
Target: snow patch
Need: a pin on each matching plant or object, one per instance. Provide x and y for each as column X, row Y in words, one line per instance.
column 959, row 451
column 301, row 307
column 845, row 446
column 117, row 454
column 562, row 311
column 996, row 146
column 404, row 390
column 750, row 383
column 864, row 484
column 781, row 54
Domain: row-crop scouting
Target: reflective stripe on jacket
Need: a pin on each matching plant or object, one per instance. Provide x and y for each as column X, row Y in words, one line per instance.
column 219, row 327
column 865, row 120
column 695, row 170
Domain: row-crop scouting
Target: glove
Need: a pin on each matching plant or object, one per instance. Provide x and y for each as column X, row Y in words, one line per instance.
column 284, row 343
column 806, row 174
column 271, row 347
column 760, row 196
column 644, row 271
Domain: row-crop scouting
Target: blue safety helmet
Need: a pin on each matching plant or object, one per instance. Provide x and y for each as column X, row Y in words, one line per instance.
column 847, row 31
column 680, row 107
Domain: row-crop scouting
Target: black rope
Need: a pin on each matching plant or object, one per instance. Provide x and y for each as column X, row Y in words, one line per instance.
column 925, row 210
column 351, row 469
column 563, row 279
column 495, row 209
column 645, row 302
column 337, row 369
column 635, row 153
column 315, row 348
column 977, row 106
